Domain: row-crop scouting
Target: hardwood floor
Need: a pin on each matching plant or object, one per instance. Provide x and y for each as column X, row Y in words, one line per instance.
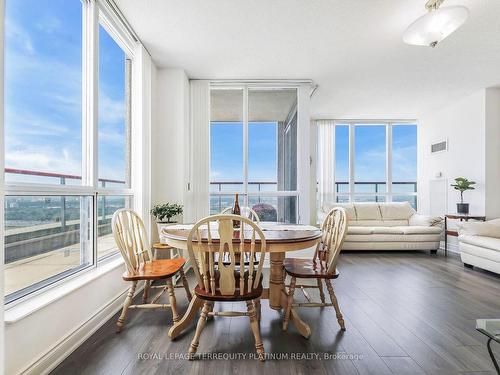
column 405, row 313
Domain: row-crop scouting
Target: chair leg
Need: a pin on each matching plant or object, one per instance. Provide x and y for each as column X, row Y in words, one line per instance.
column 126, row 304
column 201, row 324
column 147, row 285
column 291, row 290
column 186, row 284
column 173, row 302
column 335, row 303
column 254, row 324
column 257, row 309
column 321, row 292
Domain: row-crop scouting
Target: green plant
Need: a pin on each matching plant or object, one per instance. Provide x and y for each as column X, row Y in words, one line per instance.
column 166, row 211
column 462, row 184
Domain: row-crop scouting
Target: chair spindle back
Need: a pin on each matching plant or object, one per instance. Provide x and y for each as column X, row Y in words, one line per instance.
column 215, row 235
column 131, row 238
column 334, row 230
column 245, row 211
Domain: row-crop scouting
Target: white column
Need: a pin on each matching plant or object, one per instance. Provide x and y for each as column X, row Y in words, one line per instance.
column 304, row 154
column 141, row 134
column 197, row 194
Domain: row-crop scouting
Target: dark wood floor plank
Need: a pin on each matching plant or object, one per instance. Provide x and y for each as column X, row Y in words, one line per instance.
column 403, row 366
column 405, row 312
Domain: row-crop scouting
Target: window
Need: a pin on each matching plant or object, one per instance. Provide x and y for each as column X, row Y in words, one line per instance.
column 113, row 135
column 369, row 161
column 50, row 230
column 404, row 163
column 342, row 163
column 43, row 91
column 375, row 162
column 254, row 154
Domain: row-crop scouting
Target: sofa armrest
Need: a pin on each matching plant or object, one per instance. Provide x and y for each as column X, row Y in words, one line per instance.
column 424, row 220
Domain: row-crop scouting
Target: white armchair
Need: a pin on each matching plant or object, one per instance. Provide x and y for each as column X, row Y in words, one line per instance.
column 479, row 244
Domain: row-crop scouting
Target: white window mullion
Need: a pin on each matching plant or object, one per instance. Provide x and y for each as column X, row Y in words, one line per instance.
column 388, row 161
column 90, row 94
column 351, row 162
column 245, row 145
column 90, row 120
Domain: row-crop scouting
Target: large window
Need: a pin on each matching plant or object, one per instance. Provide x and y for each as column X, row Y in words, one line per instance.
column 375, row 162
column 253, row 151
column 61, row 187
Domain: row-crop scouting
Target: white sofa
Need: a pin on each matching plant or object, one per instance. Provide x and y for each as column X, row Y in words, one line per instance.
column 479, row 244
column 388, row 226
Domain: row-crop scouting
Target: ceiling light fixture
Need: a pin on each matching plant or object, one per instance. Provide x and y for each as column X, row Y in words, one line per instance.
column 437, row 24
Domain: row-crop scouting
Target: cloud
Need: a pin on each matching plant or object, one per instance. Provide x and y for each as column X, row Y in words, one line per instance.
column 49, row 24
column 18, row 36
column 45, row 159
column 111, row 111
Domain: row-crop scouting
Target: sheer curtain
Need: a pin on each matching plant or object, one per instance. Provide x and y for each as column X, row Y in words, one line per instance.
column 326, row 162
column 198, row 143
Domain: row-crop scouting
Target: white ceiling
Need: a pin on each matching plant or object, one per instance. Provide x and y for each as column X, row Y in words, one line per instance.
column 351, row 48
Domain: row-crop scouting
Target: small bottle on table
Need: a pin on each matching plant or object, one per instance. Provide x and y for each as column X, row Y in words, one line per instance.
column 236, row 211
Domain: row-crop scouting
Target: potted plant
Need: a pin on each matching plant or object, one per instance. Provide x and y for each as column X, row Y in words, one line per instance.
column 165, row 212
column 462, row 184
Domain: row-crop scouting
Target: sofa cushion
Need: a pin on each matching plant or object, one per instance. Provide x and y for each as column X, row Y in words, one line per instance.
column 480, row 229
column 396, row 210
column 392, row 238
column 349, row 209
column 366, row 223
column 359, row 230
column 421, row 230
column 486, row 242
column 388, row 230
column 367, row 211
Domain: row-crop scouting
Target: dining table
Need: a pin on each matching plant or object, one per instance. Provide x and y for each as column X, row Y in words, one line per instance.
column 280, row 239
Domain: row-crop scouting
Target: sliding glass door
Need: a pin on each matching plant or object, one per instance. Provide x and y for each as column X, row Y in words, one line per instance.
column 253, row 150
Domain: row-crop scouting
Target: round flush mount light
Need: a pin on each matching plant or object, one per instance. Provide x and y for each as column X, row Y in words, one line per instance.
column 437, row 24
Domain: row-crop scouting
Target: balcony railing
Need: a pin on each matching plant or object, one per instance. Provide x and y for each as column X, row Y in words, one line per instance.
column 373, row 190
column 62, row 177
column 34, row 236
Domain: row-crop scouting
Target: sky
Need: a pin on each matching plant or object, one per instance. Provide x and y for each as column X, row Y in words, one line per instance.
column 43, row 104
column 370, row 152
column 43, row 91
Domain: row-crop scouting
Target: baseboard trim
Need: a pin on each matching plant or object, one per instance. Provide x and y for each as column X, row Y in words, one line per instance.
column 68, row 344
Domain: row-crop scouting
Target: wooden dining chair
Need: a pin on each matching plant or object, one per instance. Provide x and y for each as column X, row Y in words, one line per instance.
column 245, row 211
column 252, row 215
column 217, row 282
column 323, row 266
column 132, row 240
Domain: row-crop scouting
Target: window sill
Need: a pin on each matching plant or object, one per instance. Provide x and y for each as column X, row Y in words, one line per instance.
column 25, row 308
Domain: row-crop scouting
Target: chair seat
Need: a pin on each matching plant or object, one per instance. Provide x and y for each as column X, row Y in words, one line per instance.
column 253, row 294
column 156, row 269
column 307, row 269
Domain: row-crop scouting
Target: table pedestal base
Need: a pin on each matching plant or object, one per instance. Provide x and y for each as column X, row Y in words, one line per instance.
column 276, row 294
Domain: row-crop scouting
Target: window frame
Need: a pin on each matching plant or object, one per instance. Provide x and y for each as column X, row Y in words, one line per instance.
column 245, row 192
column 388, row 194
column 94, row 13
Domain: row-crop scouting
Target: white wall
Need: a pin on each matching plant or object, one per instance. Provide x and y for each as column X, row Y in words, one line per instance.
column 472, row 128
column 462, row 123
column 492, row 189
column 168, row 132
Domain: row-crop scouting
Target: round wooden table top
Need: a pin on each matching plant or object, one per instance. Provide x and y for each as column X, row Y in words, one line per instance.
column 279, row 237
